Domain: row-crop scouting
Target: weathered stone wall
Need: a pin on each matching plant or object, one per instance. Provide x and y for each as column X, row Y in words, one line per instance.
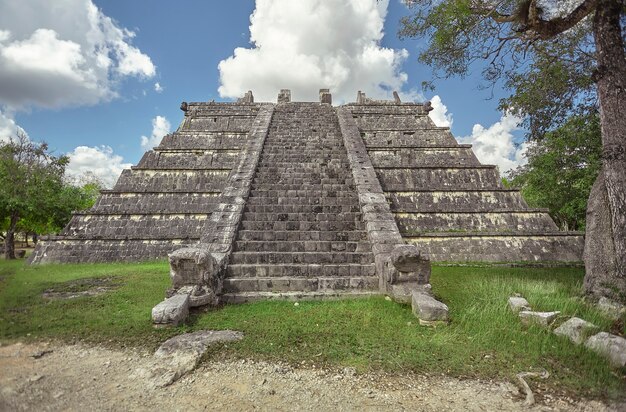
column 447, row 203
column 167, row 200
column 302, row 213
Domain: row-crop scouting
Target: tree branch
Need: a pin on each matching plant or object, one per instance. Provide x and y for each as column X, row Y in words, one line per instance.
column 547, row 29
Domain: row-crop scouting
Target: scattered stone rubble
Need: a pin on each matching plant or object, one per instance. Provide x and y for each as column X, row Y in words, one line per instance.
column 577, row 330
column 538, row 318
column 518, row 304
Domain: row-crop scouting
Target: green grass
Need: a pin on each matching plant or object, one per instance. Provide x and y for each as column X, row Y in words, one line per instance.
column 483, row 340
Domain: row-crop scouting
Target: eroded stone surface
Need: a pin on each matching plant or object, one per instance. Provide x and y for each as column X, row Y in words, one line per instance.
column 428, row 309
column 180, row 354
column 610, row 346
column 518, row 304
column 403, row 292
column 406, row 258
column 172, row 310
column 538, row 318
column 576, row 330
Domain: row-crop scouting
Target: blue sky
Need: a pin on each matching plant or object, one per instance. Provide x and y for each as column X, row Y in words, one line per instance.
column 82, row 74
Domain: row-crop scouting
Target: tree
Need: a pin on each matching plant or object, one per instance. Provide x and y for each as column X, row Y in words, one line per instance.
column 522, row 41
column 561, row 170
column 31, row 180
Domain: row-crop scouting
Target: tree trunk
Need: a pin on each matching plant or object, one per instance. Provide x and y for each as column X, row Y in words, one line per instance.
column 9, row 240
column 611, row 82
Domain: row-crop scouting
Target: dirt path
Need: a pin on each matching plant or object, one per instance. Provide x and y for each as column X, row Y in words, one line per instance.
column 80, row 377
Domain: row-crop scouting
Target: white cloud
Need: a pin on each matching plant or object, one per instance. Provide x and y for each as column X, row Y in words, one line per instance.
column 63, row 53
column 8, row 127
column 495, row 145
column 100, row 162
column 160, row 127
column 440, row 114
column 306, row 45
column 157, row 87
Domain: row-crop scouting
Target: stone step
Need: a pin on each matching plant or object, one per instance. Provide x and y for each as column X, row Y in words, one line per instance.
column 301, row 257
column 153, row 226
column 397, row 123
column 301, row 246
column 501, row 247
column 348, row 194
column 134, row 203
column 302, row 208
column 456, row 201
column 299, row 284
column 301, row 186
column 219, row 123
column 246, row 297
column 78, row 250
column 320, row 183
column 296, row 173
column 217, row 141
column 303, row 169
column 174, row 180
column 313, row 201
column 529, row 220
column 302, row 151
column 299, row 270
column 414, row 157
column 191, row 160
column 413, row 137
column 296, row 235
column 320, row 159
column 301, row 217
column 439, row 178
column 303, row 226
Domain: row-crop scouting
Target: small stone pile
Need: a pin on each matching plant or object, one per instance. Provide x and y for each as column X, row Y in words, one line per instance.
column 577, row 330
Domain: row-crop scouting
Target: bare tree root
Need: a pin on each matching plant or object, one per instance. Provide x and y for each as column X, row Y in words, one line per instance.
column 530, row 398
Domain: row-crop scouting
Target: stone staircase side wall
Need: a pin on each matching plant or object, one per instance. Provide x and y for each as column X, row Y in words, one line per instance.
column 382, row 230
column 224, row 222
column 198, row 271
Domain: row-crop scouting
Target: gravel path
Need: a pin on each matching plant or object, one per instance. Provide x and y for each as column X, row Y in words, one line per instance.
column 81, row 377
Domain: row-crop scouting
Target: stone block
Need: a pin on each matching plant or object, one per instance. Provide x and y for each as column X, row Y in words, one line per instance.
column 611, row 308
column 538, row 318
column 576, row 330
column 171, row 311
column 325, row 96
column 610, row 346
column 181, row 354
column 428, row 309
column 403, row 292
column 191, row 266
column 284, row 96
column 407, row 258
column 518, row 304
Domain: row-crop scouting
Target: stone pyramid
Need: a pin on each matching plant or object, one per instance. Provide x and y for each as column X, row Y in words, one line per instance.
column 299, row 197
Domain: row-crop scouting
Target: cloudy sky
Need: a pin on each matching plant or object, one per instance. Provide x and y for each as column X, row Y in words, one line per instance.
column 102, row 81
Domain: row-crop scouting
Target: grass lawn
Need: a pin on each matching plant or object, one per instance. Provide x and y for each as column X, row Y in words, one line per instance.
column 483, row 340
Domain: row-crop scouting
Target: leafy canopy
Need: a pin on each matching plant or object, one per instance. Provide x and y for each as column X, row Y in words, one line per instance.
column 542, row 51
column 561, row 170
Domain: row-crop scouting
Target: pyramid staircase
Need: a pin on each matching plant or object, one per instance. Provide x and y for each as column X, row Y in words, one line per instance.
column 301, row 230
column 300, row 224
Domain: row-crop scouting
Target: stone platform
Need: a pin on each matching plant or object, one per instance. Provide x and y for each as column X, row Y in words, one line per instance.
column 298, row 200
